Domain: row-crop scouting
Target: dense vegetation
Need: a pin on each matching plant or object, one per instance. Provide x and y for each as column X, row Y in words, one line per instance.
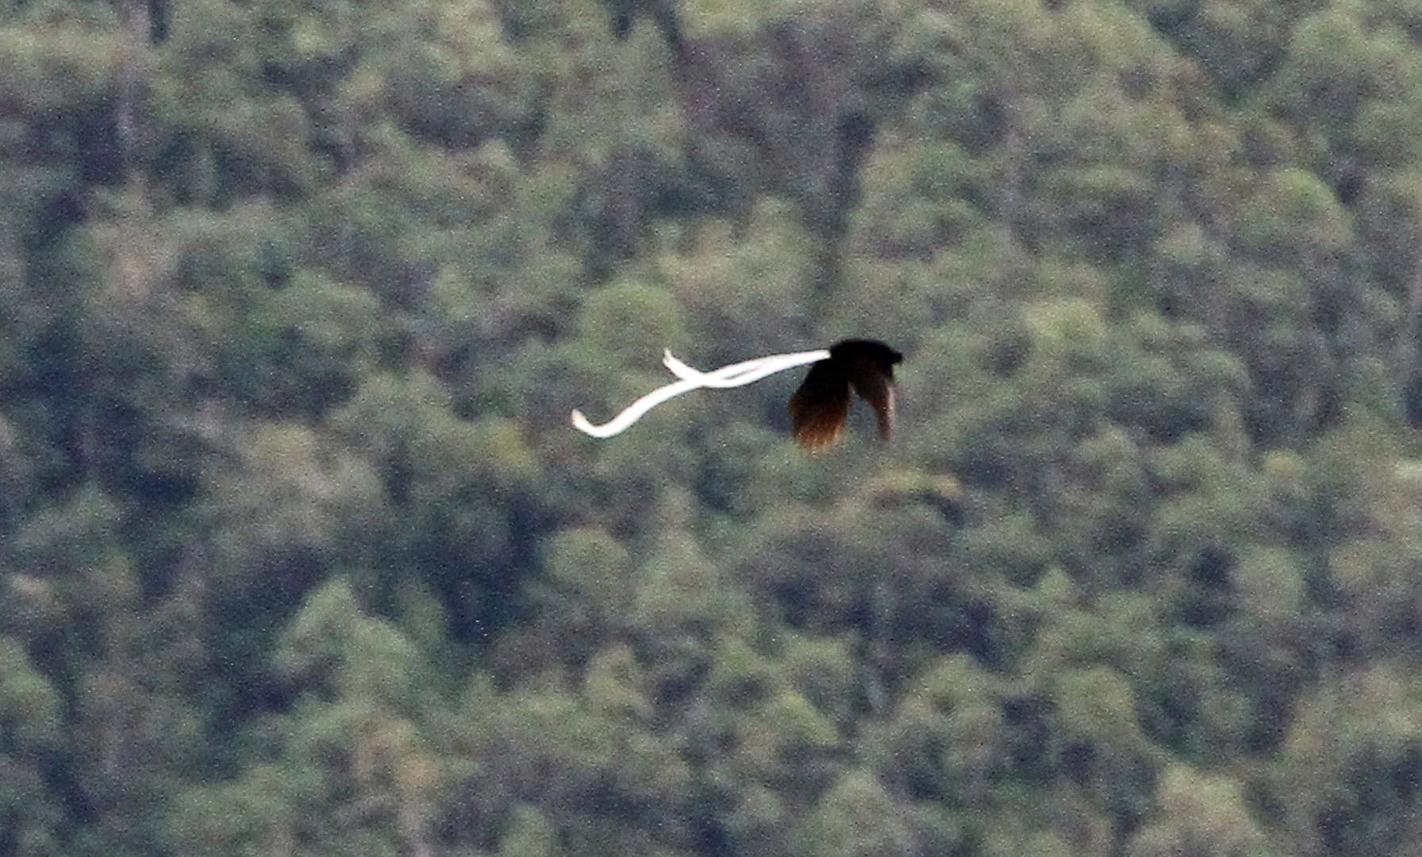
column 299, row 554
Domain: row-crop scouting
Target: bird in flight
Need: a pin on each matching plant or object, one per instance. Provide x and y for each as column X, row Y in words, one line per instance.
column 818, row 410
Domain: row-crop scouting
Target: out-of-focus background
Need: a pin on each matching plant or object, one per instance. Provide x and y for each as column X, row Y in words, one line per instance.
column 299, row 554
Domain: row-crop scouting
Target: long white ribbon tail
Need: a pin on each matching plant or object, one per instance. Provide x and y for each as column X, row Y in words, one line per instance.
column 740, row 374
column 735, row 375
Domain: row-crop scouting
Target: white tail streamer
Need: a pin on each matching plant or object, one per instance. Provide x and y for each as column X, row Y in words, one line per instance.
column 734, row 375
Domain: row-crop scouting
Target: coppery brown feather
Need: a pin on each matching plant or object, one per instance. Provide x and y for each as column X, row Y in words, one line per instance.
column 878, row 390
column 818, row 409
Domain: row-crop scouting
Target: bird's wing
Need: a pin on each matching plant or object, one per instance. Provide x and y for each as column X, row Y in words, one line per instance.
column 876, row 387
column 818, row 409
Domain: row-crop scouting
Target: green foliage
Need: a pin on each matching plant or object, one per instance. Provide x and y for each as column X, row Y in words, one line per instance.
column 680, row 588
column 856, row 817
column 299, row 554
column 594, row 566
column 1202, row 813
column 529, row 835
column 58, row 56
column 630, row 319
column 1362, row 806
column 29, row 706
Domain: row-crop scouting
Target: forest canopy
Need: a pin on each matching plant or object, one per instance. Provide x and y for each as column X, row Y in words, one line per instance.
column 299, row 553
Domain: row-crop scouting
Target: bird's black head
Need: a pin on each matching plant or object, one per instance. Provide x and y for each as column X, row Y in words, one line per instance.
column 871, row 350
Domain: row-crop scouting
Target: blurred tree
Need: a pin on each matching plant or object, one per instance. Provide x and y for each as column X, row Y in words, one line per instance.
column 1351, row 779
column 1204, row 815
column 299, row 554
column 31, row 737
column 856, row 817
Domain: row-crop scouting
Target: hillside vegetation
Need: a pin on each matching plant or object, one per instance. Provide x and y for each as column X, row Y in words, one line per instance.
column 299, row 554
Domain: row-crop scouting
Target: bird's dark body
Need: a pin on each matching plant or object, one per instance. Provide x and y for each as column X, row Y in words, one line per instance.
column 820, row 408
